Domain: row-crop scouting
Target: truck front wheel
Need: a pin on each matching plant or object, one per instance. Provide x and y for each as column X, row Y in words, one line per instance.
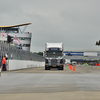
column 62, row 68
column 47, row 68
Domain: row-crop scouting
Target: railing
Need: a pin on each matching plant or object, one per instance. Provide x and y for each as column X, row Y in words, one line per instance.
column 18, row 54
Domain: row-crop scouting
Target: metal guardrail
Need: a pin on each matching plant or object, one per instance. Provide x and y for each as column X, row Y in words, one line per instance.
column 18, row 54
column 4, row 48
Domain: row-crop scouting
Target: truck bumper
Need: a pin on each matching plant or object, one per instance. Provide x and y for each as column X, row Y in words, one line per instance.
column 54, row 66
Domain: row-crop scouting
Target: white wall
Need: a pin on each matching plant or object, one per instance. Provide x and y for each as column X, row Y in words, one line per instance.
column 90, row 53
column 22, row 64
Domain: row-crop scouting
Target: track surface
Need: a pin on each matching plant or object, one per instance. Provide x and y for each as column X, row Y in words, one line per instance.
column 40, row 84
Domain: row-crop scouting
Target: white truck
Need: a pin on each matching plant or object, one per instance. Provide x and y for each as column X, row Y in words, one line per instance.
column 54, row 57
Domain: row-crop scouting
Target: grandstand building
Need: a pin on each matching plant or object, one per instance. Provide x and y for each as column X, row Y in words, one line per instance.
column 21, row 39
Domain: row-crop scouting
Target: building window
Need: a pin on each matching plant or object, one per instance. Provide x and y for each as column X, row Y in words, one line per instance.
column 20, row 38
column 26, row 45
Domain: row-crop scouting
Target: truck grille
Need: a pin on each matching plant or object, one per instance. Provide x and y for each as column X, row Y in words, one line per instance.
column 54, row 62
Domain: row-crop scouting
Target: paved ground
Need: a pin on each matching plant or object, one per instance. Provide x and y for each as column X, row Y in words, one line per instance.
column 40, row 84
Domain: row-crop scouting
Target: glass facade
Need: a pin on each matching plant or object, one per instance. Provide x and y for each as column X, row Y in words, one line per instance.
column 9, row 30
column 19, row 39
column 24, row 38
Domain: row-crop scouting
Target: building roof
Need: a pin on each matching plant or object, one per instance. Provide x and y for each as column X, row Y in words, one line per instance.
column 84, row 50
column 15, row 25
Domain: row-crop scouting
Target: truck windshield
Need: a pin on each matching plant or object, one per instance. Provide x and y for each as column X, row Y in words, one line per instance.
column 54, row 54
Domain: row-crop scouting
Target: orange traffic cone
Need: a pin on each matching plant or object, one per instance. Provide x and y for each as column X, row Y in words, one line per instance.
column 70, row 66
column 74, row 68
column 96, row 64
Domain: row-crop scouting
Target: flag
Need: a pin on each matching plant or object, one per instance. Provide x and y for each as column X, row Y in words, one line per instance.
column 11, row 35
column 16, row 41
column 4, row 34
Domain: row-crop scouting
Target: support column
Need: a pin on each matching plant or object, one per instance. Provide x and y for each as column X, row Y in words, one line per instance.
column 0, row 70
column 0, row 66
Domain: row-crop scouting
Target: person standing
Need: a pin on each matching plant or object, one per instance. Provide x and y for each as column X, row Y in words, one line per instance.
column 4, row 62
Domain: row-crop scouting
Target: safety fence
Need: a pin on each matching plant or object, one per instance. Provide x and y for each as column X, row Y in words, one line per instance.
column 4, row 48
column 18, row 54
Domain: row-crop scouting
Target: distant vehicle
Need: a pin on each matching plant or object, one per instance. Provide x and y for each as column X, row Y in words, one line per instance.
column 74, row 62
column 54, row 57
column 67, row 61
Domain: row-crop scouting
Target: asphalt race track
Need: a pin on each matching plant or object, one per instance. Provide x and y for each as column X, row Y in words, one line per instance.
column 40, row 84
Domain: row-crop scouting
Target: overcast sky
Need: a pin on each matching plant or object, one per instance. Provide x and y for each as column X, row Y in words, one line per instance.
column 76, row 23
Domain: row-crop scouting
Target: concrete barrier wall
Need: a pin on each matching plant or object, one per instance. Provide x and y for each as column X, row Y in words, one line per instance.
column 22, row 64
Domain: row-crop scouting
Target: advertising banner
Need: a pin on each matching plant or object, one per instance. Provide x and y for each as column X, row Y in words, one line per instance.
column 74, row 53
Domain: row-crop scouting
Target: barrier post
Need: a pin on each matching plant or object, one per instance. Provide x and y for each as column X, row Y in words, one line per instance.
column 0, row 69
column 0, row 66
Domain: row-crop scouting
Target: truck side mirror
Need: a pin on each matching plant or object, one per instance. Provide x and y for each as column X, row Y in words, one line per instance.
column 44, row 54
